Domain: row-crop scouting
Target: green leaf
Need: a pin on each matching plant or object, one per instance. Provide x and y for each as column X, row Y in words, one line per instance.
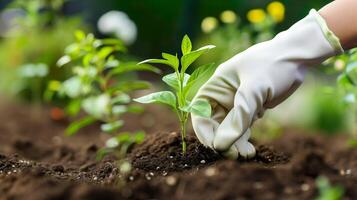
column 72, row 87
column 111, row 62
column 119, row 109
column 173, row 60
column 173, row 81
column 351, row 71
column 155, row 61
column 116, row 44
column 73, row 50
column 200, row 107
column 139, row 137
column 97, row 106
column 80, row 35
column 327, row 191
column 186, row 45
column 128, row 86
column 111, row 127
column 103, row 152
column 73, row 107
column 105, row 52
column 165, row 97
column 344, row 82
column 189, row 58
column 131, row 66
column 121, row 98
column 111, row 42
column 75, row 126
column 158, row 61
column 33, row 70
column 87, row 59
column 197, row 79
column 135, row 109
column 63, row 60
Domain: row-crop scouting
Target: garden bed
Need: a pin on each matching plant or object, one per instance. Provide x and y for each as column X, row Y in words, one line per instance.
column 38, row 162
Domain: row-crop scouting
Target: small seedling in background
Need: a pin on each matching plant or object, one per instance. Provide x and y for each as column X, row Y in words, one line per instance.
column 99, row 88
column 184, row 85
column 327, row 191
column 120, row 145
column 32, row 76
column 347, row 81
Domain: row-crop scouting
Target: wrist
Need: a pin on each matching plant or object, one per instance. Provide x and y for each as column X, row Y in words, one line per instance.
column 340, row 17
column 329, row 35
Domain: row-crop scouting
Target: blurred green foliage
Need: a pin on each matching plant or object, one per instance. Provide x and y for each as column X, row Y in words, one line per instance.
column 39, row 35
column 329, row 114
column 327, row 191
column 97, row 87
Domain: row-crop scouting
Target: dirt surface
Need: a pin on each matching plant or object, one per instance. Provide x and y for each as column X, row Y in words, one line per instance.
column 38, row 163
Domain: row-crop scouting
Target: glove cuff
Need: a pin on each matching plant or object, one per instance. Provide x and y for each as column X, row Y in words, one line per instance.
column 329, row 35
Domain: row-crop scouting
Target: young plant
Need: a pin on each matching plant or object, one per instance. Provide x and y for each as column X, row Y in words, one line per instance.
column 184, row 85
column 98, row 86
column 32, row 76
column 327, row 191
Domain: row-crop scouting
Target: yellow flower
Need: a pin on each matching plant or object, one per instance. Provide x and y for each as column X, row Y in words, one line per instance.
column 256, row 15
column 277, row 10
column 209, row 24
column 228, row 17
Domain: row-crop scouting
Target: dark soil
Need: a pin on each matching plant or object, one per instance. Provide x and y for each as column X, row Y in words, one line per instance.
column 38, row 163
column 163, row 152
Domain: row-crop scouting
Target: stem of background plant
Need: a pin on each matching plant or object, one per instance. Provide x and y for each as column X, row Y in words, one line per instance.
column 36, row 91
column 354, row 126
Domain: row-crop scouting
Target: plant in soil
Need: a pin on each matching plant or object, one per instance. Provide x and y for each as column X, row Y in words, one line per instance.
column 184, row 86
column 33, row 76
column 99, row 86
column 327, row 191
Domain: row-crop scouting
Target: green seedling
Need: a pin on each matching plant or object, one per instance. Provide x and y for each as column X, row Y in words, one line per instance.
column 184, row 86
column 99, row 88
column 33, row 75
column 327, row 191
column 124, row 142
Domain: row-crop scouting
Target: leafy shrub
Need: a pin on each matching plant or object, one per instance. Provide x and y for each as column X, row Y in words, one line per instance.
column 99, row 88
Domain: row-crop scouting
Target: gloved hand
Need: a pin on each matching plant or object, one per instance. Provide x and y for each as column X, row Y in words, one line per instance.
column 261, row 77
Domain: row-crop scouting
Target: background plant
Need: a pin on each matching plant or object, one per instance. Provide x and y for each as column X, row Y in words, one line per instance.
column 98, row 87
column 184, row 85
column 33, row 76
column 327, row 191
column 30, row 37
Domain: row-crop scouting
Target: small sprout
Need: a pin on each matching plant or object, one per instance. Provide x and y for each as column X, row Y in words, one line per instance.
column 327, row 191
column 184, row 86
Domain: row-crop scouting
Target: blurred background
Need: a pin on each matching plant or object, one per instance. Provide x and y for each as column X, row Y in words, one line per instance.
column 35, row 33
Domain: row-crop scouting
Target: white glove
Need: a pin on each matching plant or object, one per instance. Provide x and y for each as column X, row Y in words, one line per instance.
column 259, row 78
